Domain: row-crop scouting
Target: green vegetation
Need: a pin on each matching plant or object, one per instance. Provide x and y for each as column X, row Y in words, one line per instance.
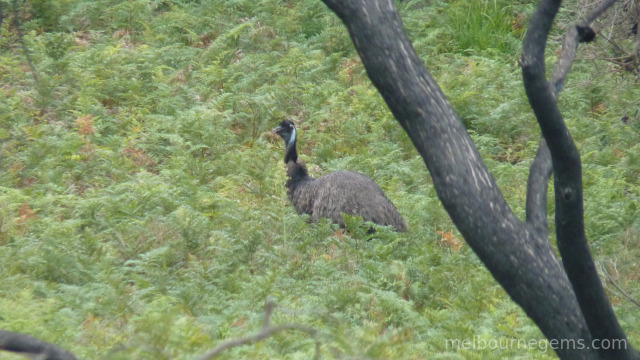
column 143, row 213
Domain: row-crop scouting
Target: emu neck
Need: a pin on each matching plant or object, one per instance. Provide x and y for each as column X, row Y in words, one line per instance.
column 292, row 152
column 296, row 170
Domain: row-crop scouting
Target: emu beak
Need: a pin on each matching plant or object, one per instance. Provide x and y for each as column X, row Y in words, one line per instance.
column 276, row 130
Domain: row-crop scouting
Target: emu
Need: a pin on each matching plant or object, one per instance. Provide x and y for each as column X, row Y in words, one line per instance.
column 334, row 194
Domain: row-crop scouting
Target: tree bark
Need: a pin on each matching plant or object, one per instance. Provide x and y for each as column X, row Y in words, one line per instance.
column 567, row 167
column 518, row 254
column 537, row 187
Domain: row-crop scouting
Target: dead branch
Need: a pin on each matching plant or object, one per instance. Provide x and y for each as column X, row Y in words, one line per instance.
column 28, row 345
column 570, row 46
column 617, row 287
column 267, row 331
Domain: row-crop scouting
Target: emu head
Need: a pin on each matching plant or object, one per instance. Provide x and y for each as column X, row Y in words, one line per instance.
column 287, row 131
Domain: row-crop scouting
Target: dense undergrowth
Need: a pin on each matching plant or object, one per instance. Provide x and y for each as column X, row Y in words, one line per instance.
column 143, row 210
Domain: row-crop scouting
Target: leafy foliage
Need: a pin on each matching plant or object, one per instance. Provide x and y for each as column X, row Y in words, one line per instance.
column 144, row 213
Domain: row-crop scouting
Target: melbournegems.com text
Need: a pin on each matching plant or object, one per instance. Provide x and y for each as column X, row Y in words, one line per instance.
column 482, row 343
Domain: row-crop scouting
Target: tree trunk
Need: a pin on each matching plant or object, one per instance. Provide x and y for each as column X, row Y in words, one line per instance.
column 518, row 254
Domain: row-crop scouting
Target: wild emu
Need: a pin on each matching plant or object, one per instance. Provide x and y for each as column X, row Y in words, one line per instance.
column 336, row 193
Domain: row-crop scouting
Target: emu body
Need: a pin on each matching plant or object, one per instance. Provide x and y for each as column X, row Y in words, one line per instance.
column 334, row 194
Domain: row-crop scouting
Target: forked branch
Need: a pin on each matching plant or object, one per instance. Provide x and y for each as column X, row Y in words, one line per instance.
column 541, row 168
column 571, row 237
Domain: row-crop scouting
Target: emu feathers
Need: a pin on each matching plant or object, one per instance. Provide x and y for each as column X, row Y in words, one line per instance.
column 334, row 194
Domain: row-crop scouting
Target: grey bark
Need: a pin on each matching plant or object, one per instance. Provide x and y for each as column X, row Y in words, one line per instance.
column 570, row 234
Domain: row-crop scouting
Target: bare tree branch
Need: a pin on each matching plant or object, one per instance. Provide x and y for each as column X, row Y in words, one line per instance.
column 267, row 331
column 572, row 241
column 615, row 285
column 25, row 344
column 542, row 167
column 570, row 46
column 602, row 7
column 537, row 187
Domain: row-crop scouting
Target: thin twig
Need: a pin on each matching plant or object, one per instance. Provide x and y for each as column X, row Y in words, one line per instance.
column 618, row 59
column 612, row 43
column 615, row 285
column 570, row 47
column 267, row 331
column 629, row 297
